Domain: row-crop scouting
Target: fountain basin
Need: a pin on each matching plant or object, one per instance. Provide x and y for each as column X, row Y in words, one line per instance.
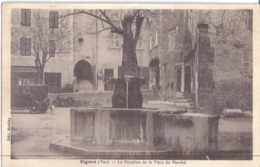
column 132, row 130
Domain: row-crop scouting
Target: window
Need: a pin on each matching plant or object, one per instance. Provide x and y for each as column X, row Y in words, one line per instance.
column 25, row 17
column 171, row 36
column 53, row 80
column 156, row 37
column 26, row 78
column 246, row 62
column 54, row 19
column 52, row 48
column 25, row 46
column 115, row 15
column 151, row 43
column 249, row 22
column 115, row 41
column 108, row 74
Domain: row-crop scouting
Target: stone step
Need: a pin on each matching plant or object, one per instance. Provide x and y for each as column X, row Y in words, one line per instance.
column 185, row 96
column 184, row 104
column 185, row 100
column 192, row 111
column 189, row 108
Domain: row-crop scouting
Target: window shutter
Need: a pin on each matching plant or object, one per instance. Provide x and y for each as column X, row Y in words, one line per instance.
column 111, row 43
column 156, row 37
column 246, row 62
column 22, row 46
column 23, row 16
column 28, row 17
column 58, row 82
column 117, row 43
column 246, row 68
column 173, row 39
column 56, row 19
column 51, row 19
column 28, row 46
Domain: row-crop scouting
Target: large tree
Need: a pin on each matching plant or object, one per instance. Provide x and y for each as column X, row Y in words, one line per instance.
column 129, row 28
column 48, row 37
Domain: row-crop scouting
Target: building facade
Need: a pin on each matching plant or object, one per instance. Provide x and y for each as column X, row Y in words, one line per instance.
column 103, row 51
column 179, row 51
column 91, row 57
column 33, row 32
column 200, row 50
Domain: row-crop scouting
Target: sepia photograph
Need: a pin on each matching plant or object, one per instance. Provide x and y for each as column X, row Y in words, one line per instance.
column 131, row 84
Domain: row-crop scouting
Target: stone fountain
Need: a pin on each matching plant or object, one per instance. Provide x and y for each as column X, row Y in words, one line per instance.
column 129, row 131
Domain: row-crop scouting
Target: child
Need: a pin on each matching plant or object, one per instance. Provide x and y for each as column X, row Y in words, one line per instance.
column 52, row 107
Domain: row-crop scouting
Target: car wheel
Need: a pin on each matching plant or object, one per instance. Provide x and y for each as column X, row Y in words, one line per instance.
column 34, row 108
column 45, row 105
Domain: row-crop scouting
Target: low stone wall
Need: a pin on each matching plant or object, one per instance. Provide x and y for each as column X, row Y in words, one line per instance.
column 190, row 133
column 102, row 98
column 187, row 133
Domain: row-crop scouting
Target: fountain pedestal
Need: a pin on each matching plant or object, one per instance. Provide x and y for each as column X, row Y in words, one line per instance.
column 138, row 133
column 127, row 92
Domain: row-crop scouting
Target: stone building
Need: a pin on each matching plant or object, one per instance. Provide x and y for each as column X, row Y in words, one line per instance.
column 91, row 58
column 34, row 31
column 170, row 51
column 199, row 51
column 104, row 49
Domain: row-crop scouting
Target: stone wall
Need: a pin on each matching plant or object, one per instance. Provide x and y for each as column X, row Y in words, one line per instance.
column 102, row 98
column 168, row 59
column 229, row 33
column 182, row 134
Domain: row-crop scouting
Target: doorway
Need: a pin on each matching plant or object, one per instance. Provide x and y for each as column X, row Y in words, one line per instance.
column 108, row 74
column 83, row 71
column 83, row 74
column 187, row 85
column 154, row 72
column 178, row 78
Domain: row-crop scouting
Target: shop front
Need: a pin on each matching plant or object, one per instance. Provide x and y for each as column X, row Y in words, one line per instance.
column 23, row 75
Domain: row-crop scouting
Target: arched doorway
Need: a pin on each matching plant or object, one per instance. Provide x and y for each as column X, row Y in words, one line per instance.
column 83, row 76
column 154, row 72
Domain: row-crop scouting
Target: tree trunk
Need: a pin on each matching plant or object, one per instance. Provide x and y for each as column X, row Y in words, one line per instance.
column 40, row 68
column 129, row 60
column 39, row 77
column 127, row 91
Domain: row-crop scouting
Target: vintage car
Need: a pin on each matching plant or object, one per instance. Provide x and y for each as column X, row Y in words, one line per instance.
column 63, row 102
column 33, row 97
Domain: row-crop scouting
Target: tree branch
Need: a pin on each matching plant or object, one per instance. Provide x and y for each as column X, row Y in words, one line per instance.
column 139, row 22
